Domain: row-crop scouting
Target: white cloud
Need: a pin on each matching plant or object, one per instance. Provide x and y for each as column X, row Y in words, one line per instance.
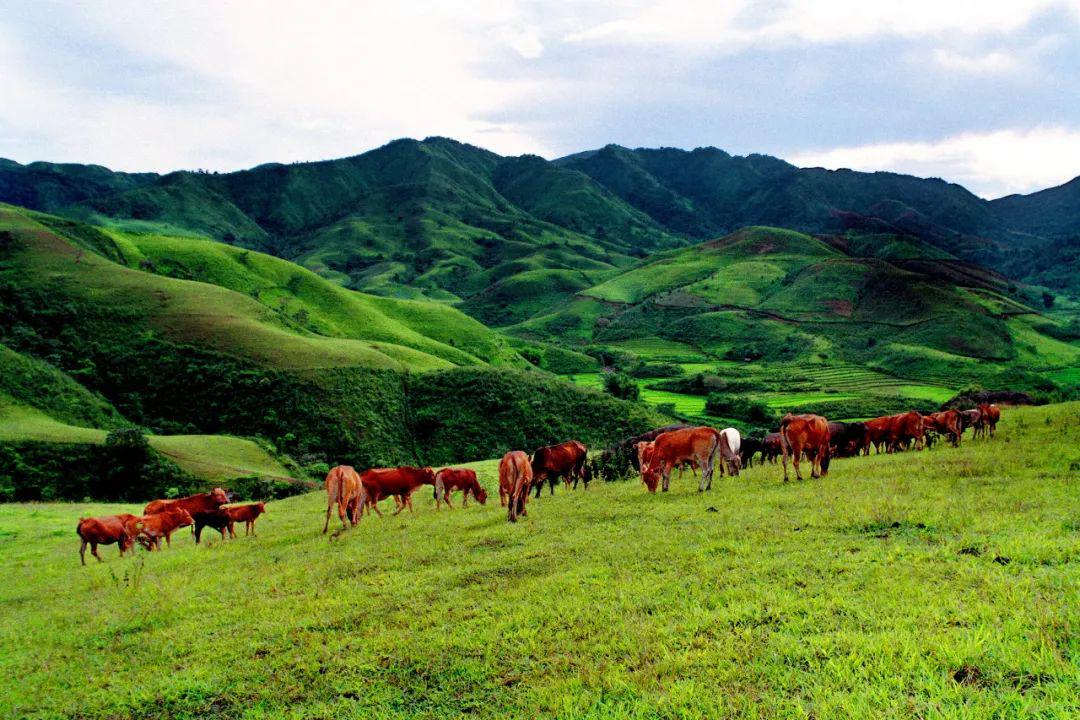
column 992, row 63
column 990, row 164
column 740, row 22
column 273, row 81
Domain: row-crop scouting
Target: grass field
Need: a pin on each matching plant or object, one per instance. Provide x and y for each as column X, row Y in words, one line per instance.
column 934, row 584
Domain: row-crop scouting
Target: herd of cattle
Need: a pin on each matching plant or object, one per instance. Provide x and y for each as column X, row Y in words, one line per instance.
column 655, row 454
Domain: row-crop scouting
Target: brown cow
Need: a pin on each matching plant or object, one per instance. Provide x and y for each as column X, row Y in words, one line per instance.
column 105, row 530
column 246, row 514
column 809, row 434
column 972, row 419
column 947, row 423
column 399, row 483
column 149, row 529
column 194, row 504
column 565, row 460
column 515, row 481
column 894, row 432
column 343, row 488
column 448, row 480
column 671, row 449
column 990, row 415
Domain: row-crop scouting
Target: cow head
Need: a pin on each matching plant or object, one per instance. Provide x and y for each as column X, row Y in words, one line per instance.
column 219, row 496
column 428, row 474
column 650, row 475
column 183, row 517
column 480, row 494
column 644, row 452
column 736, row 464
column 262, row 507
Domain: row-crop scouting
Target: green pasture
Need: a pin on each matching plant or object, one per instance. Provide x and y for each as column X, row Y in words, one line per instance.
column 937, row 584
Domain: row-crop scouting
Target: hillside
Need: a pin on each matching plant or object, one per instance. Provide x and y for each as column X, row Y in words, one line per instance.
column 785, row 316
column 103, row 329
column 941, row 583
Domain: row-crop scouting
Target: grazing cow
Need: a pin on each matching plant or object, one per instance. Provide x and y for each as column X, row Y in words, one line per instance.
column 750, row 447
column 773, row 447
column 149, row 529
column 515, row 481
column 565, row 460
column 809, row 434
column 990, row 414
column 398, row 483
column 105, row 530
column 448, row 480
column 730, row 451
column 895, row 432
column 877, row 433
column 670, row 449
column 847, row 439
column 343, row 488
column 947, row 423
column 246, row 514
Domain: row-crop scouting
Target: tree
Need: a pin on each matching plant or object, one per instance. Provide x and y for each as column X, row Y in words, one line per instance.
column 1048, row 300
column 622, row 386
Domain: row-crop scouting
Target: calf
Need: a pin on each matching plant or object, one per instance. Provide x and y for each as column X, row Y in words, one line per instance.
column 515, row 480
column 809, row 434
column 246, row 514
column 773, row 447
column 448, row 480
column 751, row 446
column 149, row 529
column 105, row 530
column 990, row 416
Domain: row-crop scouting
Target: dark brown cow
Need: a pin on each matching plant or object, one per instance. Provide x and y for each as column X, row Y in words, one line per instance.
column 515, row 480
column 448, row 480
column 149, row 529
column 991, row 414
column 971, row 419
column 219, row 520
column 105, row 530
column 809, row 434
column 947, row 423
column 565, row 460
column 246, row 514
column 671, row 449
column 398, row 483
column 773, row 447
column 847, row 439
column 344, row 489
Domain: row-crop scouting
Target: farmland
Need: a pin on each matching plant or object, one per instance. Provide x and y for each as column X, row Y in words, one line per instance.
column 943, row 583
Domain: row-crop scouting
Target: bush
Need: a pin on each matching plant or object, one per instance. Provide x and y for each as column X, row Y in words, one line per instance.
column 622, row 386
column 740, row 408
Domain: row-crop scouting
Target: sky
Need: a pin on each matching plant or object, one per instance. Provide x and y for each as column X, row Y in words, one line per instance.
column 986, row 94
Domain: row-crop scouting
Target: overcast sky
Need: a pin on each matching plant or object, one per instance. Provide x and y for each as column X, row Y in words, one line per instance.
column 986, row 93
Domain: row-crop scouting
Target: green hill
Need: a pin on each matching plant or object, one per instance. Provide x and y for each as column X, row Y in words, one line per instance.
column 104, row 328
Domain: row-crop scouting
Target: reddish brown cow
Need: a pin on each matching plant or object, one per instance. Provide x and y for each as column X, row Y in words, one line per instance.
column 971, row 419
column 149, row 529
column 246, row 514
column 194, row 504
column 448, row 480
column 990, row 415
column 105, row 530
column 566, row 460
column 515, row 480
column 809, row 434
column 877, row 433
column 894, row 432
column 947, row 423
column 399, row 483
column 670, row 449
column 343, row 488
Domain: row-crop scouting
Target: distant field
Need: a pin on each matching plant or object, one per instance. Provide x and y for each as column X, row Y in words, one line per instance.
column 938, row 584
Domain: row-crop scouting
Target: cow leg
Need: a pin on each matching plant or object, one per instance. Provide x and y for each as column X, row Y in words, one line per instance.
column 552, row 482
column 665, row 471
column 94, row 552
column 343, row 511
column 232, row 530
column 464, row 499
column 82, row 551
column 198, row 532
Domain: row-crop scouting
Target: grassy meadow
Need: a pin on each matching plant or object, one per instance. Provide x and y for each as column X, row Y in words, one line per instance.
column 935, row 584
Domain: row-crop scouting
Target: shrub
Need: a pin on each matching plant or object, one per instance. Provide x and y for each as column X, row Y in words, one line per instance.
column 622, row 386
column 740, row 408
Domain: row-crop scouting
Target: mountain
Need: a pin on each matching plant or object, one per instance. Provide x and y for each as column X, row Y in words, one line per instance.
column 456, row 223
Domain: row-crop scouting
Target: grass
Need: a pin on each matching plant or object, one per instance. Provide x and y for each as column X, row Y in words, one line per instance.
column 934, row 584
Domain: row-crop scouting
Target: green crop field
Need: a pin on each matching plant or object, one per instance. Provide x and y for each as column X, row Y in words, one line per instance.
column 936, row 584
